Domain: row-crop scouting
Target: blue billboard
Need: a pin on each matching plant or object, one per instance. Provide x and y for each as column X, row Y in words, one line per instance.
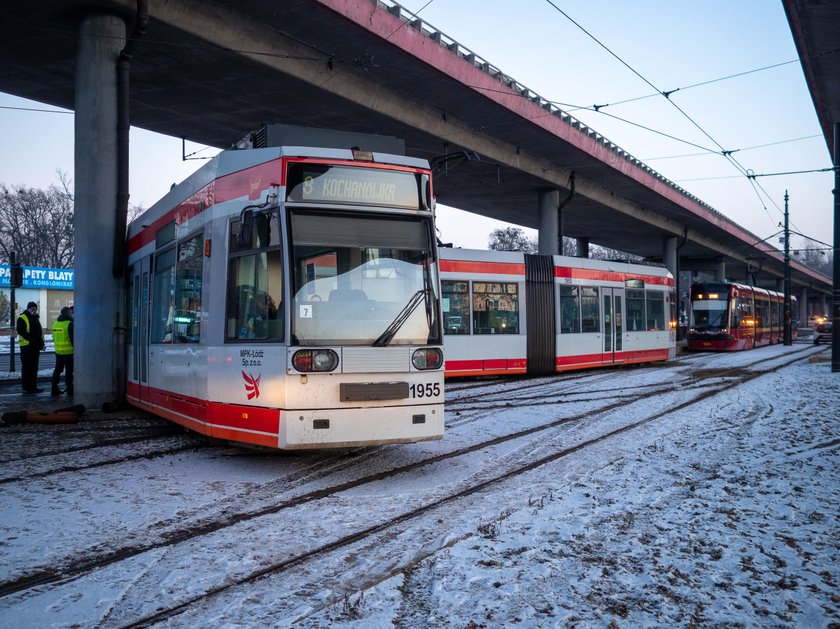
column 39, row 277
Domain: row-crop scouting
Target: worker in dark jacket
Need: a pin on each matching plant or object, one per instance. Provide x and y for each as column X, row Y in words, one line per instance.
column 62, row 333
column 31, row 342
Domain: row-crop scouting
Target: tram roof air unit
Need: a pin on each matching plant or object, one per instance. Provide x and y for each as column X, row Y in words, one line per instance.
column 292, row 135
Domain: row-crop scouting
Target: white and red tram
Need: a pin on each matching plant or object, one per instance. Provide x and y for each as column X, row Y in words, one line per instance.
column 727, row 316
column 513, row 313
column 288, row 297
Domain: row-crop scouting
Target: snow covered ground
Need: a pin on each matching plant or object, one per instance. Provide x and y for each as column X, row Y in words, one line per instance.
column 6, row 344
column 693, row 512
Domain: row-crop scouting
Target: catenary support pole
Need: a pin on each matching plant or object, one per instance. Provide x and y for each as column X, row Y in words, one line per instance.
column 12, row 313
column 803, row 306
column 788, row 335
column 835, row 306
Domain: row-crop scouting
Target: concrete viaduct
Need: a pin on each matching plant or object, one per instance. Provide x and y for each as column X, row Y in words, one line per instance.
column 213, row 71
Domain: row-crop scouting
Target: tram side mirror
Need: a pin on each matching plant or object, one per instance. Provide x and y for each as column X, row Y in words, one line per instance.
column 428, row 201
column 246, row 227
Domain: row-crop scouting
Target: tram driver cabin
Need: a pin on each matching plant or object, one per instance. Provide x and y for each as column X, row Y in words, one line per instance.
column 728, row 316
column 288, row 297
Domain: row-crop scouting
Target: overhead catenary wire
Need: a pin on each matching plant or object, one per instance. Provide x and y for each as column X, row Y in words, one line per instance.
column 740, row 150
column 598, row 109
column 727, row 154
column 693, row 85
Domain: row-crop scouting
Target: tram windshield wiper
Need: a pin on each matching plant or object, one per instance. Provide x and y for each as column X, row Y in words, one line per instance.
column 391, row 331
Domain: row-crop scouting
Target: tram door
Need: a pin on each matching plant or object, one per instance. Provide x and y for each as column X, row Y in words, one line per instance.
column 612, row 321
column 140, row 325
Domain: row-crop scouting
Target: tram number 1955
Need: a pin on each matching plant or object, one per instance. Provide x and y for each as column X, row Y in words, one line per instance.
column 428, row 389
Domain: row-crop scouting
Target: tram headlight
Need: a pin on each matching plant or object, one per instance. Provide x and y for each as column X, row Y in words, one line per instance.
column 427, row 358
column 309, row 360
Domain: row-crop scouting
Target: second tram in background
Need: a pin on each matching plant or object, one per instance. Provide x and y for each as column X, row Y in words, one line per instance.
column 729, row 316
column 512, row 313
column 288, row 297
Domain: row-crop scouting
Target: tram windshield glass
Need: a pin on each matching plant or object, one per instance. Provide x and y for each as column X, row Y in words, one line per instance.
column 363, row 279
column 709, row 312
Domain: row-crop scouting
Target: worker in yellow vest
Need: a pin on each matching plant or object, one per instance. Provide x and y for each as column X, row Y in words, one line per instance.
column 62, row 332
column 31, row 342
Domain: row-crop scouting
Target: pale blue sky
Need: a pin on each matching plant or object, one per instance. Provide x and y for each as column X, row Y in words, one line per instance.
column 672, row 44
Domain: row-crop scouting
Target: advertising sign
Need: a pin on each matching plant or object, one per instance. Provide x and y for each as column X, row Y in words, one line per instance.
column 39, row 277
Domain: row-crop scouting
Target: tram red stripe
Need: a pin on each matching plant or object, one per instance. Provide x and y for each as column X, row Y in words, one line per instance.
column 479, row 365
column 609, row 276
column 563, row 272
column 564, row 362
column 250, row 183
column 503, row 366
column 469, row 266
column 208, row 417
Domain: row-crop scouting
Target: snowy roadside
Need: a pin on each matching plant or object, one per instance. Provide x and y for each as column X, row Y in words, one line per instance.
column 726, row 519
column 6, row 344
column 14, row 376
column 723, row 513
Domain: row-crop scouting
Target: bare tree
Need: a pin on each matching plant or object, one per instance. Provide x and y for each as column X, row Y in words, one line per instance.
column 38, row 224
column 511, row 239
column 817, row 256
column 597, row 252
column 134, row 211
column 4, row 310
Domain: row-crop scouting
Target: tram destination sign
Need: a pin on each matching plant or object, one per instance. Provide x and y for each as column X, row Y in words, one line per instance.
column 323, row 183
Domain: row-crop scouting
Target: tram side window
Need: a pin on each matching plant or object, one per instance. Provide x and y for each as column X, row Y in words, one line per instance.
column 130, row 334
column 672, row 309
column 187, row 317
column 255, row 283
column 456, row 307
column 495, row 308
column 762, row 313
column 775, row 314
column 746, row 315
column 590, row 315
column 163, row 299
column 655, row 310
column 569, row 310
column 635, row 310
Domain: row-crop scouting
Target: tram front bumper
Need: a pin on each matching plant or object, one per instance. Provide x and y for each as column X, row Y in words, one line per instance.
column 359, row 426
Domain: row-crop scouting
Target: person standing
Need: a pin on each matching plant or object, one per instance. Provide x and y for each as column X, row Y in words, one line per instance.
column 62, row 333
column 31, row 342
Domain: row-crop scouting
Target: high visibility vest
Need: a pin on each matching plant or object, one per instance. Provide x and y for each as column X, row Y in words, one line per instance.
column 22, row 342
column 61, row 337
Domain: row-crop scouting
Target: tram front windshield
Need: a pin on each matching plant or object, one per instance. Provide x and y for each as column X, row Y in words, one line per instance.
column 708, row 313
column 363, row 280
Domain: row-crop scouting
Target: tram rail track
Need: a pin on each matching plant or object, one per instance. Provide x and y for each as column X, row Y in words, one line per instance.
column 84, row 564
column 286, row 564
column 99, row 442
column 193, row 444
column 473, row 410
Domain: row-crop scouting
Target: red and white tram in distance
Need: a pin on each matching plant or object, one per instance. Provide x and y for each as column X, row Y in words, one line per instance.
column 728, row 316
column 288, row 297
column 513, row 313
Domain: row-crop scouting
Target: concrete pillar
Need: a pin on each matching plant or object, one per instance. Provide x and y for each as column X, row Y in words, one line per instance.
column 98, row 296
column 824, row 306
column 582, row 247
column 780, row 285
column 548, row 240
column 720, row 271
column 669, row 255
column 803, row 306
